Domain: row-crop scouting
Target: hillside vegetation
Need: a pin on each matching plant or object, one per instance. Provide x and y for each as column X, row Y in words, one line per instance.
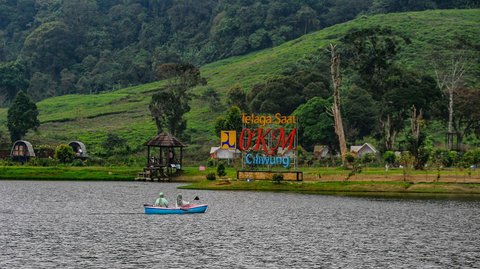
column 58, row 47
column 125, row 112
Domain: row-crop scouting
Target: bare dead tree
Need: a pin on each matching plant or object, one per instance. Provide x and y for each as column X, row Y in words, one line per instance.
column 449, row 77
column 416, row 122
column 337, row 115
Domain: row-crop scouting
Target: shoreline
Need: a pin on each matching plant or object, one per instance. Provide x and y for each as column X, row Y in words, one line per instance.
column 374, row 183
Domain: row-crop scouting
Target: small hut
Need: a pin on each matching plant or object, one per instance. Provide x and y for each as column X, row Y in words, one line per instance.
column 165, row 162
column 79, row 149
column 22, row 151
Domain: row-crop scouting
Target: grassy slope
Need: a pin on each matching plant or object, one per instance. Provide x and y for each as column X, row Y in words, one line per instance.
column 90, row 117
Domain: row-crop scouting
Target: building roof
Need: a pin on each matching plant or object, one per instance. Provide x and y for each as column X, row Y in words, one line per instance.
column 355, row 148
column 215, row 149
column 164, row 140
column 319, row 148
column 358, row 148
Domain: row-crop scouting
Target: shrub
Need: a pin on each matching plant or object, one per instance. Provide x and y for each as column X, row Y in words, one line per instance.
column 472, row 157
column 211, row 176
column 349, row 158
column 389, row 157
column 368, row 158
column 211, row 162
column 42, row 162
column 277, row 178
column 78, row 163
column 221, row 170
column 64, row 153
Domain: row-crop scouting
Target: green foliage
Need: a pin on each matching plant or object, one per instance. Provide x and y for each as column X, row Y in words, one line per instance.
column 213, row 99
column 221, row 170
column 368, row 158
column 360, row 113
column 444, row 158
column 277, row 178
column 4, row 143
column 12, row 80
column 90, row 117
column 231, row 121
column 389, row 157
column 406, row 160
column 472, row 157
column 350, row 158
column 64, row 153
column 354, row 164
column 169, row 105
column 211, row 176
column 78, row 163
column 316, row 124
column 371, row 52
column 22, row 116
column 95, row 46
column 44, row 162
column 114, row 144
column 236, row 96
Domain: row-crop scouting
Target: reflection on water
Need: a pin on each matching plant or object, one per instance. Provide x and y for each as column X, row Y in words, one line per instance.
column 102, row 225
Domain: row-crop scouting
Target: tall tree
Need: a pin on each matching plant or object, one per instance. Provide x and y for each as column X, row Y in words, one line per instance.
column 316, row 125
column 12, row 80
column 449, row 77
column 231, row 121
column 22, row 116
column 467, row 115
column 337, row 114
column 169, row 105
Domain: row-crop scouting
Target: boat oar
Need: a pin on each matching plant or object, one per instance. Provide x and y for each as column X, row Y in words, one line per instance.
column 196, row 198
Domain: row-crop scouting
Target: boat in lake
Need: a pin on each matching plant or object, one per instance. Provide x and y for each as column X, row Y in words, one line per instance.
column 190, row 209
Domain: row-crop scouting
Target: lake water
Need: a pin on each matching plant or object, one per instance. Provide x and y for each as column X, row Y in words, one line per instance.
column 102, row 225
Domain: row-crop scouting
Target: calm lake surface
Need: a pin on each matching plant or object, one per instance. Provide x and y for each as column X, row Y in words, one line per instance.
column 101, row 225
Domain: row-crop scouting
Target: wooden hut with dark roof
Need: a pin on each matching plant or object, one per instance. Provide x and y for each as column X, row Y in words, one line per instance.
column 165, row 162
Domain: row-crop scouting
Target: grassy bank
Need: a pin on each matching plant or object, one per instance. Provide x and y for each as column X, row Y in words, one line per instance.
column 372, row 182
column 352, row 188
column 68, row 173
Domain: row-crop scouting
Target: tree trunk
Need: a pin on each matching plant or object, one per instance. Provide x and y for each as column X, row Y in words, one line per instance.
column 337, row 115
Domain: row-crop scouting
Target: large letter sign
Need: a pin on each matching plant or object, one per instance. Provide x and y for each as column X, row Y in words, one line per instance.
column 265, row 135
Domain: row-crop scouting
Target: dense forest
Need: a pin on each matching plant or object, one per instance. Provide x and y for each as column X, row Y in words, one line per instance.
column 54, row 47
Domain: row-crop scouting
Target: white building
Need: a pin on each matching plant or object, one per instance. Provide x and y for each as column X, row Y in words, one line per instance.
column 360, row 151
column 224, row 154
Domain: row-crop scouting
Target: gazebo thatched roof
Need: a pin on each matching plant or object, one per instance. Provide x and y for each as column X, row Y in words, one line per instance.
column 165, row 140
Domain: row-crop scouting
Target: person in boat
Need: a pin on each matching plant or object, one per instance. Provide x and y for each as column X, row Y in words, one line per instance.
column 180, row 201
column 161, row 201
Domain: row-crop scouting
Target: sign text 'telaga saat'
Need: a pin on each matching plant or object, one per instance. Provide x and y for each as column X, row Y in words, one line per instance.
column 268, row 140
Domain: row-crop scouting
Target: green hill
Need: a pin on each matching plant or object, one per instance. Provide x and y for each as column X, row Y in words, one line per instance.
column 125, row 112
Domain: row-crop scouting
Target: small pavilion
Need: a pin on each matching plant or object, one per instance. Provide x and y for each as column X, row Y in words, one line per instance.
column 165, row 162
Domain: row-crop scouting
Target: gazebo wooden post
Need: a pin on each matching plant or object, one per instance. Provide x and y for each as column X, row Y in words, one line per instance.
column 181, row 157
column 148, row 155
column 160, row 160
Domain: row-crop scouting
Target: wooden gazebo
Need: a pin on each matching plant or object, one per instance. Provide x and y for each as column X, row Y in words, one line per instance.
column 165, row 162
